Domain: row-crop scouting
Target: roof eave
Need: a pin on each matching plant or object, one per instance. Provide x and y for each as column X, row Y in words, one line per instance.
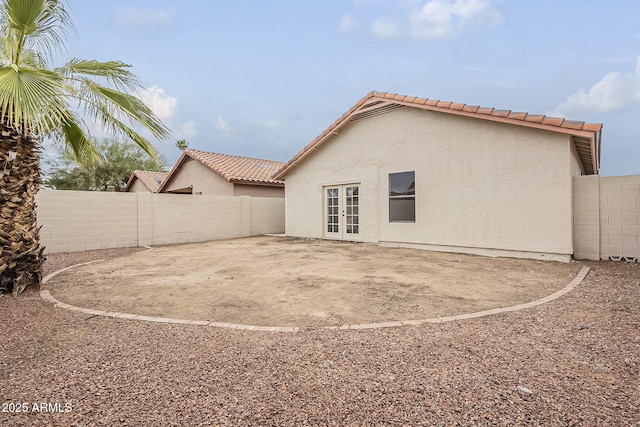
column 320, row 139
column 261, row 183
column 425, row 104
column 130, row 181
column 173, row 171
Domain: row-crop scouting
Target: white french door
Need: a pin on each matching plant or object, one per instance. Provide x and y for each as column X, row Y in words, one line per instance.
column 342, row 211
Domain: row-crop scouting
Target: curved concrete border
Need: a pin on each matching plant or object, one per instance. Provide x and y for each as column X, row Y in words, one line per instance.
column 46, row 294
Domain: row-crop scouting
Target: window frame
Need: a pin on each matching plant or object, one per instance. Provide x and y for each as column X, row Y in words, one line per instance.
column 409, row 195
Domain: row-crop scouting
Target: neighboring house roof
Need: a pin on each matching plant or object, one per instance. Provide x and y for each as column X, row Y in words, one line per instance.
column 586, row 136
column 152, row 180
column 235, row 169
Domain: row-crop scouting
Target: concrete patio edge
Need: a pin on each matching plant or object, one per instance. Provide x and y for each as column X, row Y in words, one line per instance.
column 46, row 295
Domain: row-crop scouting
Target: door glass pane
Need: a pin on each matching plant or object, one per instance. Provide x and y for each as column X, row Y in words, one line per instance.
column 332, row 210
column 351, row 217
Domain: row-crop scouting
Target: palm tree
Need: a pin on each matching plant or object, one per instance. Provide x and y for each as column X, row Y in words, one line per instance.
column 38, row 101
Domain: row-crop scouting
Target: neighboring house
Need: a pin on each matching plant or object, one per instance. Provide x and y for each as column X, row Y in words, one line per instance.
column 200, row 172
column 145, row 181
column 413, row 172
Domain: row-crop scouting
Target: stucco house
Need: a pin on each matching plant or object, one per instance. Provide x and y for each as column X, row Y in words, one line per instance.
column 413, row 172
column 205, row 173
column 145, row 181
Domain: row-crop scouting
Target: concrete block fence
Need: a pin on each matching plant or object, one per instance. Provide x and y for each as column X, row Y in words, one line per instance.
column 83, row 220
column 606, row 218
column 606, row 221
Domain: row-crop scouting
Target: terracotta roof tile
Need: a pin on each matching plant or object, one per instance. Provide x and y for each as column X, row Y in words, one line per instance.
column 594, row 127
column 535, row 118
column 151, row 179
column 501, row 113
column 554, row 124
column 238, row 168
column 573, row 124
column 485, row 110
column 517, row 116
column 553, row 121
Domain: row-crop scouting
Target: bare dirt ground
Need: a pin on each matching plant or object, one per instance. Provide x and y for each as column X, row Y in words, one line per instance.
column 276, row 281
column 578, row 355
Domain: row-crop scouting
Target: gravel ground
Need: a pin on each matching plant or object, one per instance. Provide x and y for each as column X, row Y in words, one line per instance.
column 578, row 356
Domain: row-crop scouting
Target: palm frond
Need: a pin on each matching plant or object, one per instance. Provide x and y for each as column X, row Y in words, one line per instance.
column 116, row 73
column 133, row 108
column 36, row 24
column 79, row 145
column 32, row 99
column 117, row 127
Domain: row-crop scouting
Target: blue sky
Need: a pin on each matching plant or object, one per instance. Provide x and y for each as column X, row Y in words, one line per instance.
column 264, row 78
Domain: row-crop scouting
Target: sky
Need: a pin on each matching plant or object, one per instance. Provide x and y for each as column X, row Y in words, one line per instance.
column 264, row 78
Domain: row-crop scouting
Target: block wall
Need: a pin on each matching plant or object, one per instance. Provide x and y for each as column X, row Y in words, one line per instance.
column 81, row 220
column 606, row 217
column 586, row 217
column 75, row 221
column 619, row 216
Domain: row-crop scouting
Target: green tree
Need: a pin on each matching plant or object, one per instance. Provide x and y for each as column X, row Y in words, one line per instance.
column 182, row 144
column 38, row 100
column 117, row 162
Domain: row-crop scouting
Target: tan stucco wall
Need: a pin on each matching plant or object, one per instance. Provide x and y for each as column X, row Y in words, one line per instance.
column 83, row 220
column 479, row 184
column 208, row 183
column 203, row 180
column 138, row 187
column 607, row 217
column 257, row 190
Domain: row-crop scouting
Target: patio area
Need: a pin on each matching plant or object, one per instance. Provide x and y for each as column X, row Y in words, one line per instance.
column 285, row 282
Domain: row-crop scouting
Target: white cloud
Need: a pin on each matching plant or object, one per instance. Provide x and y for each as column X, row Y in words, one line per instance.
column 223, row 126
column 132, row 16
column 188, row 129
column 385, row 28
column 612, row 92
column 159, row 101
column 420, row 19
column 441, row 18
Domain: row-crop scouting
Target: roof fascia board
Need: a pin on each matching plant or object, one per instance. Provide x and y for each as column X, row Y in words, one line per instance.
column 173, row 171
column 260, row 183
column 320, row 139
column 132, row 178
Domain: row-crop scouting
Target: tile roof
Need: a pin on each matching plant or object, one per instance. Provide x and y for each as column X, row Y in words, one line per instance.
column 151, row 179
column 586, row 136
column 236, row 169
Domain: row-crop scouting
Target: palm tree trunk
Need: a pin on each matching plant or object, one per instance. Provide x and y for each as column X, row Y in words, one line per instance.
column 21, row 255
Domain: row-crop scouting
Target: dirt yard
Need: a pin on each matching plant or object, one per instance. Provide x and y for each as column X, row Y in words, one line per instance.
column 274, row 281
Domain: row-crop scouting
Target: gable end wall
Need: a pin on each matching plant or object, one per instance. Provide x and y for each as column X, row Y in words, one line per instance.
column 479, row 184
